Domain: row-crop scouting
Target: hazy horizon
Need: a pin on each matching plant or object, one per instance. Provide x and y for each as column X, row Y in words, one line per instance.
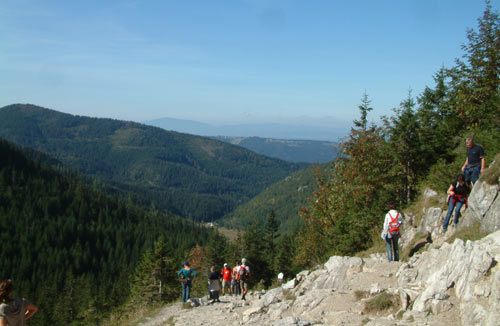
column 229, row 62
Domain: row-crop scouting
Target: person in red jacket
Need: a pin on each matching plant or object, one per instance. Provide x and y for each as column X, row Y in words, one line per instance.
column 226, row 279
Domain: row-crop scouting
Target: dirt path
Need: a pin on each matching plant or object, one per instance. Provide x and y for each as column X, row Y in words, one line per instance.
column 227, row 312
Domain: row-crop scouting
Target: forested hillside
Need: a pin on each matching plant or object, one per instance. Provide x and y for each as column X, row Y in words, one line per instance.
column 284, row 198
column 191, row 176
column 72, row 250
column 310, row 151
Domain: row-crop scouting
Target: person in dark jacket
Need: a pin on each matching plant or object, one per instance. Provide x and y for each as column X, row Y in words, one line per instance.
column 214, row 284
column 457, row 197
column 474, row 163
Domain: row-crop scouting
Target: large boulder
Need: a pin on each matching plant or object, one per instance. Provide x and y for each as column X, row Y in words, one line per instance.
column 481, row 200
column 491, row 220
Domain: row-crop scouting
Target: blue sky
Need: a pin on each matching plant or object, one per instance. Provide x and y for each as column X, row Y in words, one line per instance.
column 233, row 61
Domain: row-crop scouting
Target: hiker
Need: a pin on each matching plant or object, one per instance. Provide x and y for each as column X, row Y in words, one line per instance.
column 243, row 274
column 235, row 281
column 390, row 233
column 13, row 311
column 213, row 284
column 281, row 277
column 187, row 274
column 474, row 163
column 457, row 196
column 226, row 279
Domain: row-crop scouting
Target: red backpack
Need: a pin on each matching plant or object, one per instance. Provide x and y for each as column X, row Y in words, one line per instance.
column 242, row 273
column 394, row 224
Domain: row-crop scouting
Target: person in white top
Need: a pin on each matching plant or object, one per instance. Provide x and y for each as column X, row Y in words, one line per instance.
column 390, row 232
column 243, row 274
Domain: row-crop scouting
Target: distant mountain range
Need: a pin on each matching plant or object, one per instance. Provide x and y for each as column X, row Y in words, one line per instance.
column 263, row 130
column 191, row 176
column 310, row 151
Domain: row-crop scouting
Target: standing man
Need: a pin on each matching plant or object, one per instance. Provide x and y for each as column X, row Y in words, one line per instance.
column 226, row 279
column 475, row 162
column 243, row 273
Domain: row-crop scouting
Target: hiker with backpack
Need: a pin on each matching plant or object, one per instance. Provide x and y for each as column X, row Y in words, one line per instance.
column 235, row 281
column 186, row 274
column 457, row 197
column 390, row 232
column 243, row 274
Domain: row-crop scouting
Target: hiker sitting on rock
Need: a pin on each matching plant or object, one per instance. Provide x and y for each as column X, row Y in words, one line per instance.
column 390, row 232
column 457, row 196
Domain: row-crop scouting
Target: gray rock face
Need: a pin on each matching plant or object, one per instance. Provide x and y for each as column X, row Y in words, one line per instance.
column 428, row 193
column 431, row 220
column 481, row 197
column 484, row 207
column 491, row 220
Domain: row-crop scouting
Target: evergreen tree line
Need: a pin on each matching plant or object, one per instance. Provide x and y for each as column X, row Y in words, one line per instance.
column 421, row 144
column 74, row 251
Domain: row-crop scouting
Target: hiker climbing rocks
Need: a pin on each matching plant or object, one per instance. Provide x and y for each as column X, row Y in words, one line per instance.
column 226, row 279
column 213, row 284
column 390, row 232
column 13, row 311
column 187, row 274
column 243, row 274
column 474, row 163
column 457, row 197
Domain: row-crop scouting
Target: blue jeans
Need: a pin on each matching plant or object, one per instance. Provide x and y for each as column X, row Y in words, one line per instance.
column 392, row 243
column 472, row 174
column 186, row 291
column 451, row 206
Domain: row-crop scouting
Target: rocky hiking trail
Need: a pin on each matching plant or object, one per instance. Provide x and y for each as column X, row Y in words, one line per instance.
column 447, row 284
column 457, row 284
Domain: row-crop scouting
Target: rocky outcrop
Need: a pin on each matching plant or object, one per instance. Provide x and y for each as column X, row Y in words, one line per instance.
column 484, row 204
column 456, row 284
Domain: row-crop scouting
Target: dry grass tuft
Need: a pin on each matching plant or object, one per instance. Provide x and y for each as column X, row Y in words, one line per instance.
column 383, row 301
column 471, row 233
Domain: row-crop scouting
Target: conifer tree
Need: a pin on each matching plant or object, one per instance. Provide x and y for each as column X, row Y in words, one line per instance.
column 405, row 147
column 475, row 80
column 271, row 233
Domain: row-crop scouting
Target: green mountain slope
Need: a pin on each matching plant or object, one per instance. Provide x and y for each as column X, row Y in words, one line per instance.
column 285, row 197
column 310, row 151
column 70, row 248
column 191, row 176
